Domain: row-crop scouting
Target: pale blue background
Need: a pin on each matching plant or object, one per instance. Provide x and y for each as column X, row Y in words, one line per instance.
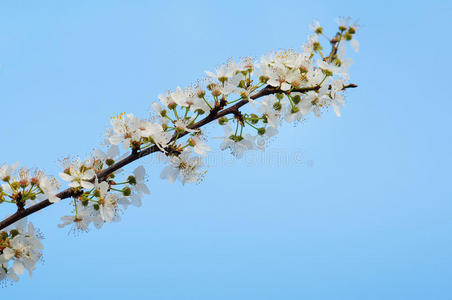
column 367, row 214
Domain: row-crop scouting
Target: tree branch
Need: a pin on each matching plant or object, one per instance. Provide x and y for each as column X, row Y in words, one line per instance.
column 214, row 115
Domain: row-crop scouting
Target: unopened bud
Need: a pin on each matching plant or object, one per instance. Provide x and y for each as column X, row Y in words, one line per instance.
column 200, row 111
column 277, row 106
column 254, row 118
column 132, row 180
column 223, row 120
column 126, row 191
column 14, row 232
column 317, row 46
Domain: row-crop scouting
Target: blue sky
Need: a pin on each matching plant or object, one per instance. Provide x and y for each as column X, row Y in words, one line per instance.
column 366, row 213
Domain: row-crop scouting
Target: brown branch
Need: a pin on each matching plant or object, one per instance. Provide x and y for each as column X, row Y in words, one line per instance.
column 214, row 115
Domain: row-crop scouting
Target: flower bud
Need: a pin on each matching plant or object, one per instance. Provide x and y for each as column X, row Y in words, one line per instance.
column 223, row 120
column 254, row 119
column 164, row 126
column 14, row 233
column 126, row 191
column 132, row 180
column 317, row 46
column 200, row 111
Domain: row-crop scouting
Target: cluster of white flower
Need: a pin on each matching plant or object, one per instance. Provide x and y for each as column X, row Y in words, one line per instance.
column 20, row 249
column 102, row 201
column 282, row 86
column 24, row 187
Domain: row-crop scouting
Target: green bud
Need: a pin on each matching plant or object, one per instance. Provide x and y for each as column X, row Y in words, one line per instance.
column 126, row 191
column 132, row 180
column 236, row 138
column 348, row 36
column 296, row 99
column 261, row 131
column 14, row 233
column 200, row 111
column 317, row 46
column 109, row 161
column 277, row 106
column 223, row 120
column 254, row 118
